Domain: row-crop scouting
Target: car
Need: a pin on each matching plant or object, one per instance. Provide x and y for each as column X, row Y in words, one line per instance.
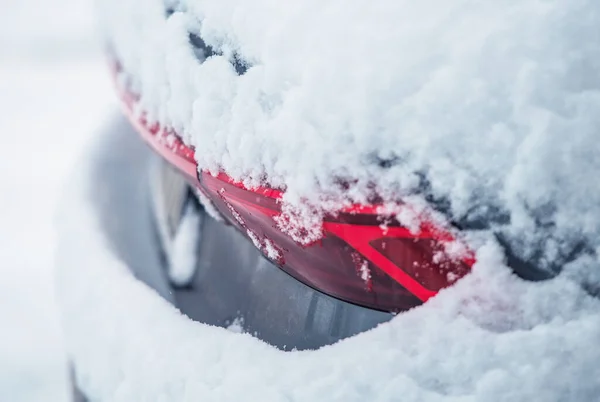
column 224, row 262
column 233, row 248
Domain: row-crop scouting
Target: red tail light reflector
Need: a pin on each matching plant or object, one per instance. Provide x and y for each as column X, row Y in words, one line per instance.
column 424, row 260
column 356, row 259
column 330, row 265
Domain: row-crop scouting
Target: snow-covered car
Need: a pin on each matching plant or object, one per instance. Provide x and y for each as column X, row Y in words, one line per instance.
column 318, row 168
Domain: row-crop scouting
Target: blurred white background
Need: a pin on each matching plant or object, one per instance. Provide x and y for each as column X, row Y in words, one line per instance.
column 54, row 91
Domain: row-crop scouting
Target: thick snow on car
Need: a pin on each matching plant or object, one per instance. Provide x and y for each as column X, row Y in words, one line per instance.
column 323, row 167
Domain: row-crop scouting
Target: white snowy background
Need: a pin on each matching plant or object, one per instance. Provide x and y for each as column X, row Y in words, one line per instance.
column 53, row 92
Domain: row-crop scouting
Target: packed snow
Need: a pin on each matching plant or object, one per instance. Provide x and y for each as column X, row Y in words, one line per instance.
column 487, row 109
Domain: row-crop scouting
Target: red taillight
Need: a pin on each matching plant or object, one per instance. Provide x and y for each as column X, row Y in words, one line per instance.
column 424, row 260
column 330, row 265
column 356, row 259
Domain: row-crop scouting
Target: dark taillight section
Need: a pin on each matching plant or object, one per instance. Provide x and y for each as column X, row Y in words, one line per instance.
column 360, row 257
column 330, row 265
column 425, row 260
column 356, row 259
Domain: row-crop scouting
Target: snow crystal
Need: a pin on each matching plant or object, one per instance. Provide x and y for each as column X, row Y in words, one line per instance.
column 208, row 205
column 365, row 272
column 271, row 250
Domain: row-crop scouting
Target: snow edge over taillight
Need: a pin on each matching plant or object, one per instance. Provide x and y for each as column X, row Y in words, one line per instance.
column 359, row 253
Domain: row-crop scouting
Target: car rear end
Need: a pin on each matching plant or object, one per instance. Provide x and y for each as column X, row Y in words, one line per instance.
column 303, row 260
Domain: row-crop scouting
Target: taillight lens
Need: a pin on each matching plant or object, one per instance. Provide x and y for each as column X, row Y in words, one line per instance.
column 357, row 259
column 424, row 260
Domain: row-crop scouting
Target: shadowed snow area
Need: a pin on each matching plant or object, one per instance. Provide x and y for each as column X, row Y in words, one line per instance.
column 485, row 108
column 53, row 92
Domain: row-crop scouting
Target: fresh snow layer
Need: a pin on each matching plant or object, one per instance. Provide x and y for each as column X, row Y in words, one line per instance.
column 488, row 108
column 492, row 337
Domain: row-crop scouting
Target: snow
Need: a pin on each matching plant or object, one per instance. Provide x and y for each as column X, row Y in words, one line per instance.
column 182, row 256
column 492, row 337
column 271, row 251
column 488, row 107
column 53, row 91
column 512, row 82
column 236, row 326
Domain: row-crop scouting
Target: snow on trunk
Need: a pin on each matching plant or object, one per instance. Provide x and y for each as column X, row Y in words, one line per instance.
column 486, row 109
